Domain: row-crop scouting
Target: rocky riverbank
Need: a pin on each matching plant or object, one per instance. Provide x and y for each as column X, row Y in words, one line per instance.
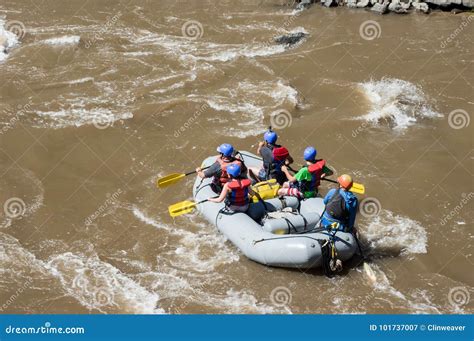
column 396, row 6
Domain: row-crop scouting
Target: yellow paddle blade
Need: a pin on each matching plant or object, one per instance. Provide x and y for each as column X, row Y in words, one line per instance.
column 181, row 208
column 357, row 188
column 170, row 179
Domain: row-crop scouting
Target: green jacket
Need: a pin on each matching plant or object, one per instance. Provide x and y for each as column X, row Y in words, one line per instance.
column 306, row 181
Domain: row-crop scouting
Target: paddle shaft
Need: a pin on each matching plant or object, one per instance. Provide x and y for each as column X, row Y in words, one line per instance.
column 194, row 171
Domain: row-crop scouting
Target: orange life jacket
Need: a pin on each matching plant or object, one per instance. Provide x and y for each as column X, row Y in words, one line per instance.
column 316, row 170
column 224, row 178
column 239, row 195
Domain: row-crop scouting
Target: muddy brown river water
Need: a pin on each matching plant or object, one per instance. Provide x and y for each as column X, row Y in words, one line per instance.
column 100, row 98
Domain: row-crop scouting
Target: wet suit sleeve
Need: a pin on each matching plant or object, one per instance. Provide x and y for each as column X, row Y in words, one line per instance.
column 327, row 170
column 214, row 170
column 329, row 195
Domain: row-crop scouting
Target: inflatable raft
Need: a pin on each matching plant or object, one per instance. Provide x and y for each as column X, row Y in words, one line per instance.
column 276, row 232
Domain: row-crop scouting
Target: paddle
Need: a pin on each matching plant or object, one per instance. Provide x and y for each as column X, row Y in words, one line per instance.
column 174, row 178
column 356, row 188
column 183, row 207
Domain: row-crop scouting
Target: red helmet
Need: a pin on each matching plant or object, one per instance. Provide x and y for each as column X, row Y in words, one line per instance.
column 280, row 153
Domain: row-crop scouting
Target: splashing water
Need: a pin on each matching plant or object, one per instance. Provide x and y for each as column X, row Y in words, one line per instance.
column 98, row 285
column 8, row 40
column 399, row 103
column 389, row 233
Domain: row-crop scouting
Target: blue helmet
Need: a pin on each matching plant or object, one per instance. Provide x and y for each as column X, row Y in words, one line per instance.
column 233, row 169
column 225, row 149
column 270, row 137
column 310, row 154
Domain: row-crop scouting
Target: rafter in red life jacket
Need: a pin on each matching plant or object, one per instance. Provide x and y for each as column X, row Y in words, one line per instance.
column 239, row 195
column 224, row 178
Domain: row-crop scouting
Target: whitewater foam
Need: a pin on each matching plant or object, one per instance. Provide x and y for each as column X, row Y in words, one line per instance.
column 79, row 116
column 184, row 271
column 417, row 302
column 396, row 102
column 63, row 40
column 260, row 100
column 395, row 234
column 188, row 51
column 18, row 264
column 8, row 40
column 97, row 285
column 198, row 252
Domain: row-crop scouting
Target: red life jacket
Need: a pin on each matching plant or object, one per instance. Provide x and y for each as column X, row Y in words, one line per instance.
column 239, row 195
column 224, row 178
column 316, row 170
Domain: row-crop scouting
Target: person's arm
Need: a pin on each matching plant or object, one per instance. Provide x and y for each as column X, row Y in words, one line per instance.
column 210, row 172
column 290, row 177
column 221, row 197
column 200, row 173
column 326, row 171
column 259, row 148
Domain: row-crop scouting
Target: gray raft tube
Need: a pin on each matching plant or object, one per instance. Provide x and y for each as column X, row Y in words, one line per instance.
column 288, row 250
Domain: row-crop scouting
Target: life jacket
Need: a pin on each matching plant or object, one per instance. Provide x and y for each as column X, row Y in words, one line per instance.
column 316, row 170
column 336, row 208
column 239, row 195
column 224, row 164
